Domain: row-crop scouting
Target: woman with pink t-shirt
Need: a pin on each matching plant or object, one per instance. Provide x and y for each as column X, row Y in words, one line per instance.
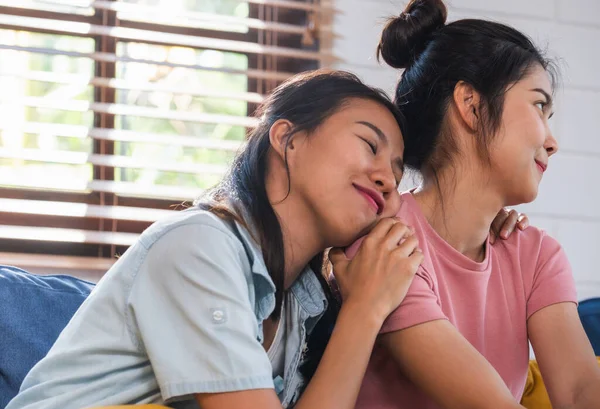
column 477, row 97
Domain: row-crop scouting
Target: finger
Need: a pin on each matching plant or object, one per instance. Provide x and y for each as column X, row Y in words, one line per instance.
column 498, row 222
column 416, row 258
column 396, row 234
column 509, row 224
column 382, row 228
column 407, row 247
column 492, row 237
column 523, row 222
column 338, row 258
column 374, row 239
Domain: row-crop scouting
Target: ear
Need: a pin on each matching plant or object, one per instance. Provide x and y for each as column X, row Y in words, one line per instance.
column 467, row 101
column 279, row 137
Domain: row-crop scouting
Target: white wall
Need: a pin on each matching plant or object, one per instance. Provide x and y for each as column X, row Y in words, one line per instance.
column 568, row 203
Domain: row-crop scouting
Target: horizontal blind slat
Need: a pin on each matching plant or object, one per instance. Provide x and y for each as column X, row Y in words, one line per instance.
column 81, row 210
column 109, row 57
column 184, row 18
column 130, row 110
column 117, row 161
column 82, row 132
column 66, row 235
column 131, row 85
column 125, row 189
column 133, row 34
column 47, row 262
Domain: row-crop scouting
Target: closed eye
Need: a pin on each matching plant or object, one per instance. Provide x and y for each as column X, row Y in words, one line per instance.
column 372, row 145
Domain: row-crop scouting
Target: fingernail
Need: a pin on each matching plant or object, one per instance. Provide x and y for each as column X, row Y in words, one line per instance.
column 504, row 234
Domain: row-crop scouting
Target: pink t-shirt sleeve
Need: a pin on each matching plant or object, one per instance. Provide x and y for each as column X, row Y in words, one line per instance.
column 419, row 306
column 553, row 278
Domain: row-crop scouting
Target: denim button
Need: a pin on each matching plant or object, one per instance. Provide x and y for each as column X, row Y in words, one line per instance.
column 219, row 316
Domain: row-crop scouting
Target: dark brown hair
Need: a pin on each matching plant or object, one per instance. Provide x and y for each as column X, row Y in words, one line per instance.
column 306, row 100
column 487, row 55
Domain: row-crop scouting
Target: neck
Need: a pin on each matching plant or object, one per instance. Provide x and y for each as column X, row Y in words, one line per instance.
column 301, row 242
column 461, row 211
column 301, row 239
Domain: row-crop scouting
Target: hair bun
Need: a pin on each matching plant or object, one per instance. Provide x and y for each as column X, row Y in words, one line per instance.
column 406, row 36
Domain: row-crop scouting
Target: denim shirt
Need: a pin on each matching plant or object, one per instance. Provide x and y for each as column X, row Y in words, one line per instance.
column 179, row 313
column 307, row 301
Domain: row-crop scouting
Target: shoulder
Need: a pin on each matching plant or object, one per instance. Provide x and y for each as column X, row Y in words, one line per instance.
column 534, row 253
column 195, row 244
column 201, row 224
column 194, row 249
column 191, row 230
column 532, row 243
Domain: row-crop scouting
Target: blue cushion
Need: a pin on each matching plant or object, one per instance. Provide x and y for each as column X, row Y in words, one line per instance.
column 34, row 310
column 589, row 312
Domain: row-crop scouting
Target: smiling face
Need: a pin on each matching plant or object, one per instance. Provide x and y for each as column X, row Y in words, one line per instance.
column 348, row 170
column 520, row 152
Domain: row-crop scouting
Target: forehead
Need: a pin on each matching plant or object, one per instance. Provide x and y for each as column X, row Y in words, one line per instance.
column 537, row 77
column 363, row 110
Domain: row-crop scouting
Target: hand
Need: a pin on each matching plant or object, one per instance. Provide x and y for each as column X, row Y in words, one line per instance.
column 505, row 222
column 379, row 276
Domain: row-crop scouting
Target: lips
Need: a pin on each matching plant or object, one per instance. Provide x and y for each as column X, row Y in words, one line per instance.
column 541, row 166
column 373, row 197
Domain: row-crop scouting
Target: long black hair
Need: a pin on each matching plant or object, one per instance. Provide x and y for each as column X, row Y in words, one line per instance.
column 487, row 55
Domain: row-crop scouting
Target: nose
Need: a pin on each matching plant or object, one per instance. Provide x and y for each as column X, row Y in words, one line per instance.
column 385, row 180
column 550, row 144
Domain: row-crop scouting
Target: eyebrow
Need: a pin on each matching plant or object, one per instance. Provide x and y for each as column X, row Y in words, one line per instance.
column 398, row 161
column 375, row 129
column 549, row 100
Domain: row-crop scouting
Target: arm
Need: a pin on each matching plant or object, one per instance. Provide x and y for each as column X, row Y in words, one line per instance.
column 338, row 378
column 437, row 358
column 564, row 353
column 565, row 356
column 372, row 285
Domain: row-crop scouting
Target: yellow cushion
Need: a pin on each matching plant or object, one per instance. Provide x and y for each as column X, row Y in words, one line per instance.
column 535, row 395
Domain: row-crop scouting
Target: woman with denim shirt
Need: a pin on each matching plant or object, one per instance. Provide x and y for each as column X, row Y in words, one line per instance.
column 213, row 306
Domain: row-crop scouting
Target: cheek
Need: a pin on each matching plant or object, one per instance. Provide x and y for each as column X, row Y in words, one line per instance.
column 538, row 132
column 311, row 162
column 529, row 128
column 508, row 157
column 523, row 137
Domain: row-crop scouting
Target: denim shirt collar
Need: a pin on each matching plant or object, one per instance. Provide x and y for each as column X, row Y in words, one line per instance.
column 310, row 294
column 263, row 284
column 306, row 288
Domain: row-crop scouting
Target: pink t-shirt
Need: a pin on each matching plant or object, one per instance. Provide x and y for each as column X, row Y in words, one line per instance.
column 488, row 302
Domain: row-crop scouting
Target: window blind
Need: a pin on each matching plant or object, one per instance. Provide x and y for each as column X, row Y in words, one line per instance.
column 113, row 113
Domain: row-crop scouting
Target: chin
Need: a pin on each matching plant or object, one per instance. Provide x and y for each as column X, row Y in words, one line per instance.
column 523, row 197
column 350, row 232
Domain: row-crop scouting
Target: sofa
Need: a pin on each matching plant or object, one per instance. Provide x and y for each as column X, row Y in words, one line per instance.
column 35, row 309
